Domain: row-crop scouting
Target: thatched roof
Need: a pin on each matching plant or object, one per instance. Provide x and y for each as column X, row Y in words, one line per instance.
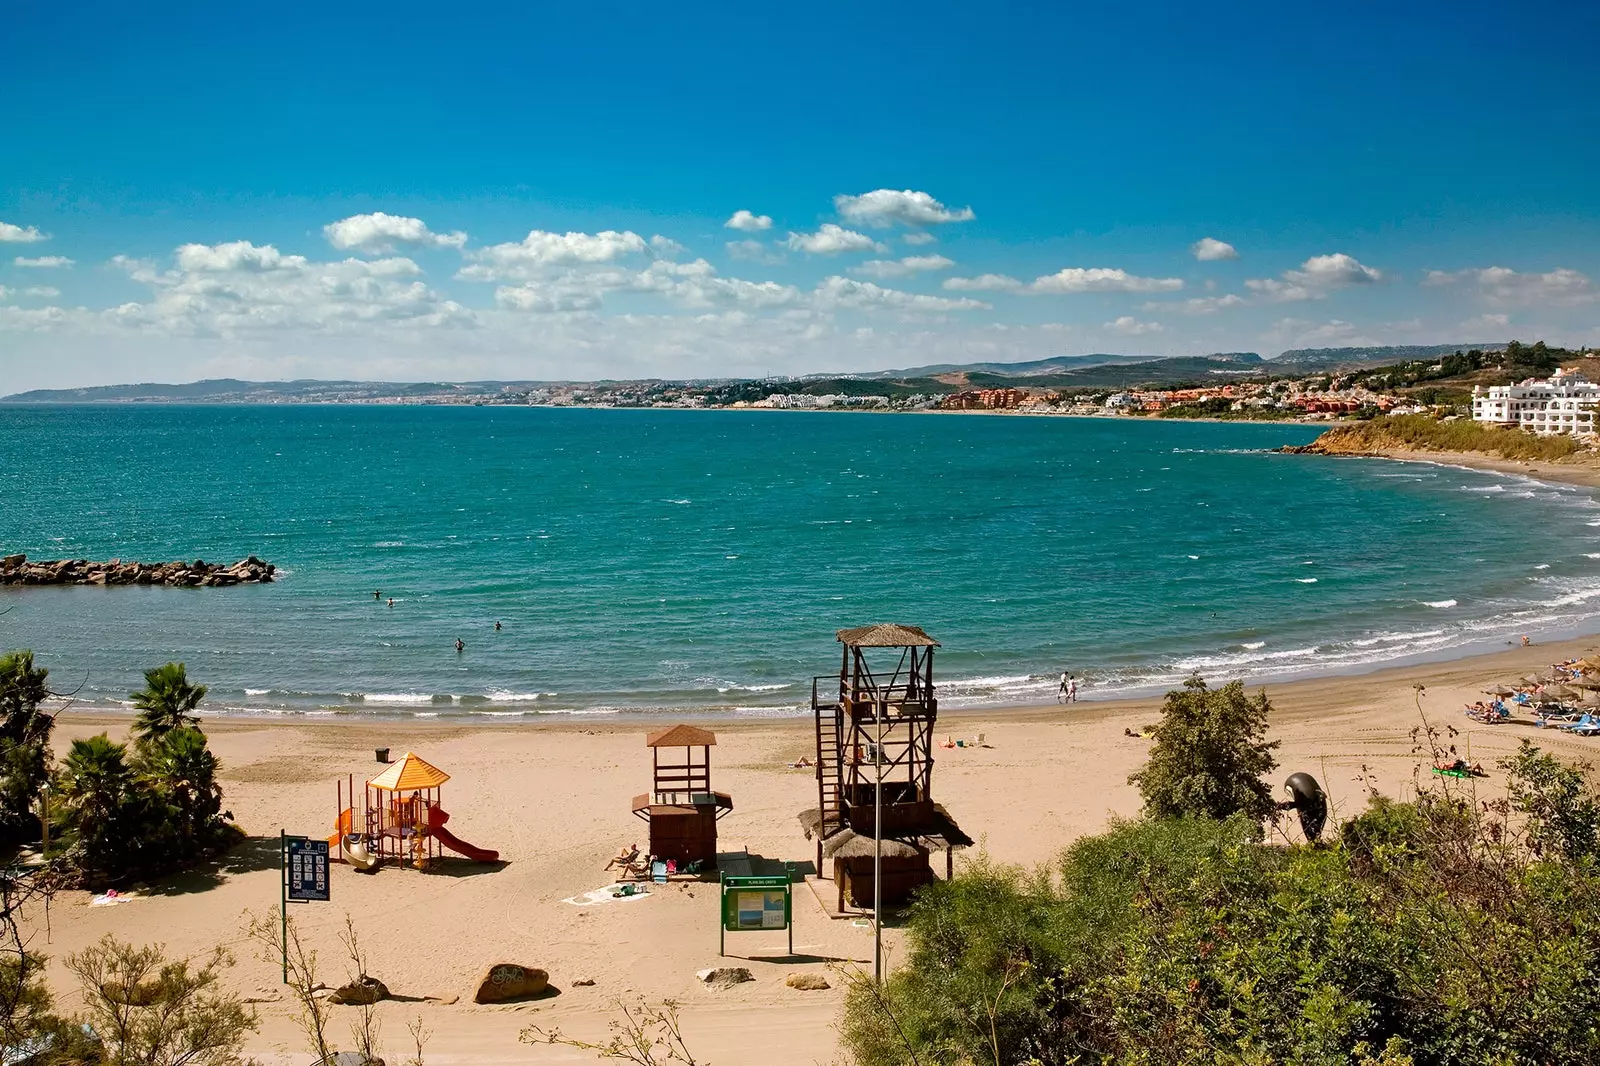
column 886, row 635
column 940, row 833
column 852, row 845
column 680, row 736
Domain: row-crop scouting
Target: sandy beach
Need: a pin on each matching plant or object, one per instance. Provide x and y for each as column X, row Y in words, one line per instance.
column 554, row 800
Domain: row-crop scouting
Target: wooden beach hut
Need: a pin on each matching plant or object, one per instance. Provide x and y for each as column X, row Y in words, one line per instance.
column 874, row 732
column 681, row 807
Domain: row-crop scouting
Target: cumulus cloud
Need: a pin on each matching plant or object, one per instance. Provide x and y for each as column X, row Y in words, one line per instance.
column 983, row 283
column 884, row 207
column 836, row 291
column 749, row 222
column 1317, row 276
column 541, row 250
column 1487, row 321
column 1133, row 327
column 47, row 292
column 44, row 262
column 1502, row 285
column 918, row 236
column 831, row 239
column 899, row 268
column 239, row 287
column 666, row 246
column 380, row 232
column 1199, row 305
column 14, row 234
column 1101, row 279
column 1209, row 249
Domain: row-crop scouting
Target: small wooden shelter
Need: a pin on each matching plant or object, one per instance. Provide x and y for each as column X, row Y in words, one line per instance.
column 877, row 726
column 398, row 802
column 681, row 807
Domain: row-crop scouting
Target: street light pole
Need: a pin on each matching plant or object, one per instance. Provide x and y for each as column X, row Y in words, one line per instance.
column 877, row 855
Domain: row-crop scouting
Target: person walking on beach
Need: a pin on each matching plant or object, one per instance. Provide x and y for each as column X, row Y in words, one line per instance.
column 1061, row 692
column 1072, row 689
column 460, row 646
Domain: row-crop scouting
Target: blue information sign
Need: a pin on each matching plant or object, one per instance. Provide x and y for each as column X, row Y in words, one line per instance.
column 306, row 867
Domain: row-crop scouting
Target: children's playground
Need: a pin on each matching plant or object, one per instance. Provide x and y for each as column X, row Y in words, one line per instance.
column 402, row 820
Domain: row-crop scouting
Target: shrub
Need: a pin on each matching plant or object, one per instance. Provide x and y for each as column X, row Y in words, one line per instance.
column 1210, row 754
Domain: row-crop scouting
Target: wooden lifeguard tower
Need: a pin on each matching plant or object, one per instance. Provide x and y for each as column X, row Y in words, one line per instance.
column 681, row 807
column 875, row 731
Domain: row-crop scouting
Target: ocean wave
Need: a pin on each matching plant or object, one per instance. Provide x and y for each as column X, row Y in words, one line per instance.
column 398, row 697
column 1305, row 581
column 1542, row 566
column 258, row 692
column 1438, row 603
column 500, row 695
column 390, row 544
column 1255, row 645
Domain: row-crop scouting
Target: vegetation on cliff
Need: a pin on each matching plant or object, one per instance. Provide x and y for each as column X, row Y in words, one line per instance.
column 1423, row 433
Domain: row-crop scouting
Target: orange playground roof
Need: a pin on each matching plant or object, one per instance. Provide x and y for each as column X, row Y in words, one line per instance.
column 410, row 771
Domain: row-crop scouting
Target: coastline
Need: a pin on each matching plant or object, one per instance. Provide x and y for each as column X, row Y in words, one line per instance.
column 554, row 800
column 1583, row 472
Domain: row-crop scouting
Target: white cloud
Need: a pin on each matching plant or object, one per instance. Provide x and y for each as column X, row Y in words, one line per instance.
column 666, row 246
column 5, row 293
column 1133, row 327
column 380, row 232
column 1316, row 277
column 20, row 234
column 884, row 207
column 1101, row 279
column 1199, row 305
column 239, row 288
column 1487, row 321
column 748, row 222
column 983, row 283
column 899, row 268
column 44, row 262
column 831, row 239
column 918, row 236
column 865, row 296
column 540, row 250
column 48, row 292
column 753, row 251
column 1209, row 249
column 1561, row 287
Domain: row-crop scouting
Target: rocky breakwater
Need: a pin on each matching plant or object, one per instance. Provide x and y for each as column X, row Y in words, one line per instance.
column 17, row 570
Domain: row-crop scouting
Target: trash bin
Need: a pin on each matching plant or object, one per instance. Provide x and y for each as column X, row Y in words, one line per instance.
column 382, row 754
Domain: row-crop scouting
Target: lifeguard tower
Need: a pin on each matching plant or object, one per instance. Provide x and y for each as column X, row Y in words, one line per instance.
column 681, row 807
column 874, row 729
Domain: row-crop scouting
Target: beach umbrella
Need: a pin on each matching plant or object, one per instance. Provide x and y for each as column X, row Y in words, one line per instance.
column 1561, row 691
column 1500, row 690
column 1585, row 682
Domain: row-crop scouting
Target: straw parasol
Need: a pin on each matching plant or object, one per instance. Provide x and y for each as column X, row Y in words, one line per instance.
column 1585, row 682
column 1499, row 690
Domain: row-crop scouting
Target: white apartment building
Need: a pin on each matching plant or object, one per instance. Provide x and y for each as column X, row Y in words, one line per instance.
column 1564, row 403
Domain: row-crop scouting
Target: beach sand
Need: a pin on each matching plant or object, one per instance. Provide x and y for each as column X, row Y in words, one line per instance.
column 554, row 799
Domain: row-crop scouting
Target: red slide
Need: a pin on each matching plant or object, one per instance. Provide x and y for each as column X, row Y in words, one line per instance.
column 437, row 816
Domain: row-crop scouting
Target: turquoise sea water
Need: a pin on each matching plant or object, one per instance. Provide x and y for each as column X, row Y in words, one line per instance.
column 652, row 561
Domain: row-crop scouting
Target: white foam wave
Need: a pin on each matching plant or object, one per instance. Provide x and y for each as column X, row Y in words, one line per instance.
column 257, row 691
column 397, row 697
column 1305, row 581
column 500, row 695
column 1542, row 566
column 1439, row 603
column 1255, row 645
column 390, row 544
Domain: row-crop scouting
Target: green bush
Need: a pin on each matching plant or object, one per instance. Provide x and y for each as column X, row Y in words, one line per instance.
column 1435, row 931
column 1210, row 754
column 1424, row 433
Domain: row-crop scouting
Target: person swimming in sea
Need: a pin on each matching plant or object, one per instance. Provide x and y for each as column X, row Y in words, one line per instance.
column 497, row 627
column 377, row 594
column 460, row 646
column 391, row 601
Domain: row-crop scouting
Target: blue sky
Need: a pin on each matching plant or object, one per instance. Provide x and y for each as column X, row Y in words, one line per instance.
column 470, row 191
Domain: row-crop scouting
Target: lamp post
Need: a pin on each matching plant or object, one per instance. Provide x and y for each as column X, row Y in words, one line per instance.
column 877, row 853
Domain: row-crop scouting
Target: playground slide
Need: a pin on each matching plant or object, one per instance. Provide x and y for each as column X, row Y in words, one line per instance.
column 342, row 848
column 437, row 816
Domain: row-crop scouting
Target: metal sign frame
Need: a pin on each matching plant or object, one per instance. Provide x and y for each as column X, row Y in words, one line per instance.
column 733, row 918
column 304, row 879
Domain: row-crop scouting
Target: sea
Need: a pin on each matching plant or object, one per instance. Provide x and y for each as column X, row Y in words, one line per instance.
column 665, row 562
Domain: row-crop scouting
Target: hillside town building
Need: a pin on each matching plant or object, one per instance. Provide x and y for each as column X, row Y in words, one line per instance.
column 1563, row 403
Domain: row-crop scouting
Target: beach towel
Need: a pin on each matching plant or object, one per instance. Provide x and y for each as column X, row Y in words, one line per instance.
column 615, row 893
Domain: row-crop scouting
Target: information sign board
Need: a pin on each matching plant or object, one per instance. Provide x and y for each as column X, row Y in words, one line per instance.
column 307, row 867
column 751, row 904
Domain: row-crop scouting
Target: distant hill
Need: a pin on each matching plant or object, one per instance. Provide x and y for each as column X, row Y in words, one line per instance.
column 1060, row 364
column 231, row 390
column 1301, row 360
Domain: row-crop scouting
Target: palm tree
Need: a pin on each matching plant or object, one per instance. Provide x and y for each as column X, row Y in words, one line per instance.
column 166, row 703
column 183, row 767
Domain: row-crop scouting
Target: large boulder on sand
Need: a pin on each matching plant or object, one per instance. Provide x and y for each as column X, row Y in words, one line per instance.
column 807, row 982
column 724, row 976
column 507, row 981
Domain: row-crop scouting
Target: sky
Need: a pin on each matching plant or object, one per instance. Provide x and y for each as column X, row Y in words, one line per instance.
column 530, row 191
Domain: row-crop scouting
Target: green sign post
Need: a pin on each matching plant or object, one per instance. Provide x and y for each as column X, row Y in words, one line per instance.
column 305, row 880
column 750, row 904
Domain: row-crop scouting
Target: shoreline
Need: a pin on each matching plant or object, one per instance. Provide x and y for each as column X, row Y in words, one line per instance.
column 1297, row 693
column 1585, row 474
